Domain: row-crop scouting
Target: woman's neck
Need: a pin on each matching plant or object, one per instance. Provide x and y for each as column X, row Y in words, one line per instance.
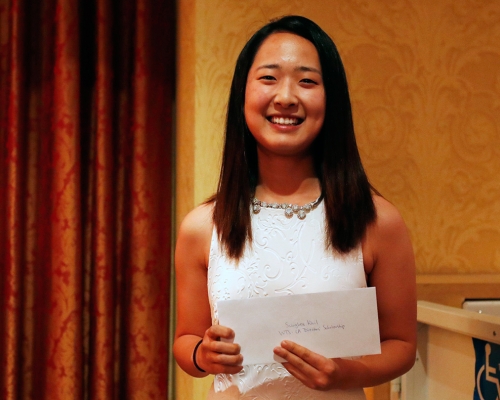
column 287, row 180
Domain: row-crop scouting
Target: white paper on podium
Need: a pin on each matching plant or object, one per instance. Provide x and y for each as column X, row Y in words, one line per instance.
column 341, row 323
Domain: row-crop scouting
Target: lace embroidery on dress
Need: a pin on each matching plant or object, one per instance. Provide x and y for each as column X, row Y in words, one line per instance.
column 287, row 256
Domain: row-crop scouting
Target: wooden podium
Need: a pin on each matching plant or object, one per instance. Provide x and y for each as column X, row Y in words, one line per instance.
column 445, row 365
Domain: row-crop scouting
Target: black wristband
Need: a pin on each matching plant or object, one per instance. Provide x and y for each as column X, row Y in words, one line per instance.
column 194, row 356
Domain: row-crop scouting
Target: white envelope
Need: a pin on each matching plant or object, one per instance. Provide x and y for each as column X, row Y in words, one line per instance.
column 334, row 324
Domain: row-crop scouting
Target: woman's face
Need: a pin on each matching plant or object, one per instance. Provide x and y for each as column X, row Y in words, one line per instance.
column 285, row 96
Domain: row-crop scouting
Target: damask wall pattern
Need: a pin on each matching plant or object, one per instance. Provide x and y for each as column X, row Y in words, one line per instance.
column 424, row 77
column 425, row 87
column 425, row 81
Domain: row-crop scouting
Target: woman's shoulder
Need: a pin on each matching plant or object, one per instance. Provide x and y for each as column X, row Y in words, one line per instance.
column 389, row 221
column 386, row 234
column 198, row 222
column 195, row 231
column 388, row 216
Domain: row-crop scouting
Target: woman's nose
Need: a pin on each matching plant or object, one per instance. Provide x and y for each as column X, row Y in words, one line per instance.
column 285, row 95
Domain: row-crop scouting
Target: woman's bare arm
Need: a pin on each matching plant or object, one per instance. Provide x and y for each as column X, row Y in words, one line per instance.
column 194, row 321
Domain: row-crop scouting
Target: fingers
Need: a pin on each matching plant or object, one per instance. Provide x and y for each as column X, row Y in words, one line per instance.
column 297, row 356
column 215, row 332
column 216, row 356
column 313, row 370
column 217, row 363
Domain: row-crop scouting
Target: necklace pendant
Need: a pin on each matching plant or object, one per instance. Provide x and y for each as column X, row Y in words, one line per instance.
column 290, row 209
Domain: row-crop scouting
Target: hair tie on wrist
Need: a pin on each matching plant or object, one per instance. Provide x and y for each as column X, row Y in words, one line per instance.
column 194, row 356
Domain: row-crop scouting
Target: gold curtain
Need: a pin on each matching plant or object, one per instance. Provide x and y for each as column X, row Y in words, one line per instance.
column 86, row 96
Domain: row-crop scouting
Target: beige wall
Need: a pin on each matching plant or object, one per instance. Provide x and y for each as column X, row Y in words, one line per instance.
column 425, row 85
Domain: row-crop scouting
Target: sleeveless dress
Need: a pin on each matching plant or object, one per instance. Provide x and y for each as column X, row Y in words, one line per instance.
column 287, row 256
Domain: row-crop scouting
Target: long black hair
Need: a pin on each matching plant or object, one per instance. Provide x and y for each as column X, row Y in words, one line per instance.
column 345, row 188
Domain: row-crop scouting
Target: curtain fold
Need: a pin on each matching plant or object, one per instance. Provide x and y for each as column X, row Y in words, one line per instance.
column 86, row 97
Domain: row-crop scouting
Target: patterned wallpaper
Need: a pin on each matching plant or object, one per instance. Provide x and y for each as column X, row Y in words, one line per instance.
column 425, row 81
column 425, row 85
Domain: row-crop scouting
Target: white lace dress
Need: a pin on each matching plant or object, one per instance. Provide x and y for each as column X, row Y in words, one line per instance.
column 287, row 256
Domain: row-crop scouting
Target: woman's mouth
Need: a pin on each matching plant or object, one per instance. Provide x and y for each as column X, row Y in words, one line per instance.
column 285, row 120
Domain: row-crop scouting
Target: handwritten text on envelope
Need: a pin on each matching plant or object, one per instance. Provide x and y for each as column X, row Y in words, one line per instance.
column 334, row 324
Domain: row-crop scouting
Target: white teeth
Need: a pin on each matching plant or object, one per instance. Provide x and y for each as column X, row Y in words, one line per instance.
column 284, row 121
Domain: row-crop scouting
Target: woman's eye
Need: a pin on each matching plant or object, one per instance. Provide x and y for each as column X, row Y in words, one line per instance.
column 309, row 81
column 267, row 78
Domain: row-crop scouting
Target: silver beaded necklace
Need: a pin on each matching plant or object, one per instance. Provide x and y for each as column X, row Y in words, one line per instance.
column 290, row 209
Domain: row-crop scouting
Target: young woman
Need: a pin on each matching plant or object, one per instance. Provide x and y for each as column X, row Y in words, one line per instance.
column 294, row 213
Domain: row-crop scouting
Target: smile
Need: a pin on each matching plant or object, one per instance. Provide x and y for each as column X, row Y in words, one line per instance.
column 285, row 121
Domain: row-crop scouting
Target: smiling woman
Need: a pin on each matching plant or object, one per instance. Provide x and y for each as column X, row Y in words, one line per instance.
column 285, row 96
column 293, row 213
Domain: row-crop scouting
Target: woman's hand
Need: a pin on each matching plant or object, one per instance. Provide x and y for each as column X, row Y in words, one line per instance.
column 313, row 370
column 216, row 356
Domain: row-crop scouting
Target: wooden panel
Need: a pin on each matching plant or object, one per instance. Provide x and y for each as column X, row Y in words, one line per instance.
column 450, row 365
column 445, row 369
column 464, row 322
column 452, row 290
column 381, row 392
